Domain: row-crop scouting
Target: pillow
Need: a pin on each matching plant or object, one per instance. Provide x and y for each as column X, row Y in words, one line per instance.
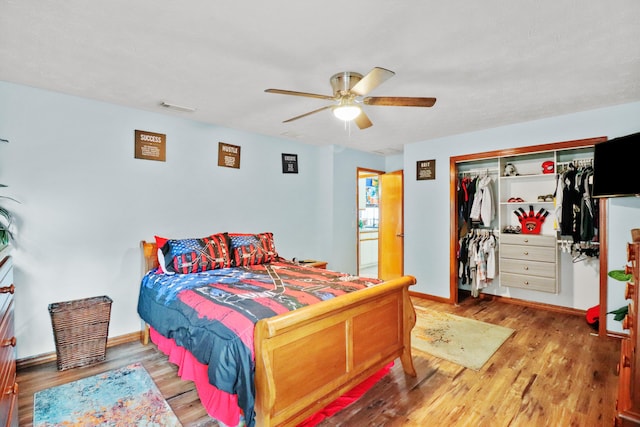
column 252, row 249
column 194, row 255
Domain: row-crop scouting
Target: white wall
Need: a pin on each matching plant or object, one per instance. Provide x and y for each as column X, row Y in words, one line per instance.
column 86, row 202
column 427, row 203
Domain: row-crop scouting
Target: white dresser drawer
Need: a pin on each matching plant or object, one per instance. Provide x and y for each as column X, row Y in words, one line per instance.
column 528, row 268
column 528, row 239
column 529, row 253
column 534, row 283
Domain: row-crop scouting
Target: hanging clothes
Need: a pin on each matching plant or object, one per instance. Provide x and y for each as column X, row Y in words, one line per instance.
column 477, row 260
column 571, row 200
column 482, row 209
column 576, row 211
column 589, row 212
column 487, row 212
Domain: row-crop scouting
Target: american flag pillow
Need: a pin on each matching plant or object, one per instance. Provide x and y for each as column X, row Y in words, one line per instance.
column 252, row 249
column 195, row 255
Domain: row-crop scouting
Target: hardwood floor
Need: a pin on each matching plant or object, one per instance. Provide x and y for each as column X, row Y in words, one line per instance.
column 551, row 372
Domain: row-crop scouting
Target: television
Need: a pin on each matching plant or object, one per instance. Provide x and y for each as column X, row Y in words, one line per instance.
column 616, row 169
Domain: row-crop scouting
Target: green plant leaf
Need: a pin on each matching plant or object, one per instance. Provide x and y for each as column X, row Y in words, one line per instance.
column 620, row 313
column 620, row 275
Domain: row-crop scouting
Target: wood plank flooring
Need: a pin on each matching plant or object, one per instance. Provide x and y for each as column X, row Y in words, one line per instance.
column 551, row 372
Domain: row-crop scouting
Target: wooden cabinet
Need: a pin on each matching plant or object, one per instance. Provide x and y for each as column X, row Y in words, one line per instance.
column 8, row 385
column 628, row 403
column 368, row 248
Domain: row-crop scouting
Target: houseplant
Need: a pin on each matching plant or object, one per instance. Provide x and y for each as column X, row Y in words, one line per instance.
column 6, row 217
column 620, row 276
column 6, row 220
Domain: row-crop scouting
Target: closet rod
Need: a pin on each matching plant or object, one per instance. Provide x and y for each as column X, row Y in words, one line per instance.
column 579, row 162
column 478, row 171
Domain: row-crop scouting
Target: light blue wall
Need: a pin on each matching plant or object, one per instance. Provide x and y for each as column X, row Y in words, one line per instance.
column 86, row 202
column 345, row 209
column 427, row 203
column 623, row 215
column 394, row 163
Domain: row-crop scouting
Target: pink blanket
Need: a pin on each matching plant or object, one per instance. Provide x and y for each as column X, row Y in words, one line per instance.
column 224, row 406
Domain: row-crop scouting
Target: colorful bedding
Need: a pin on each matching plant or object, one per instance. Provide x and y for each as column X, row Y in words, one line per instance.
column 212, row 313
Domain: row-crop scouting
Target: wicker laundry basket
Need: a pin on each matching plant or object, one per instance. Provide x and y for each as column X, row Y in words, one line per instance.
column 80, row 329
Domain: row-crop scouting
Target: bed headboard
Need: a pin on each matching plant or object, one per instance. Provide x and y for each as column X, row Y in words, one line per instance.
column 149, row 255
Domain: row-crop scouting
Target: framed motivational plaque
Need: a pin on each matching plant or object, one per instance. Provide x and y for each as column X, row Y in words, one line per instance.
column 426, row 169
column 228, row 155
column 289, row 163
column 150, row 145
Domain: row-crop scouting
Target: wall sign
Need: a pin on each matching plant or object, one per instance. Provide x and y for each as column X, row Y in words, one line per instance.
column 150, row 145
column 289, row 163
column 425, row 169
column 228, row 155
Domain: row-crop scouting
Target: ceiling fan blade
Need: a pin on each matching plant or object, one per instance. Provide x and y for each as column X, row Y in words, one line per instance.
column 307, row 114
column 306, row 94
column 399, row 101
column 362, row 120
column 375, row 78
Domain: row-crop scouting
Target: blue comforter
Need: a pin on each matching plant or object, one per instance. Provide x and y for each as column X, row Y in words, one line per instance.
column 213, row 313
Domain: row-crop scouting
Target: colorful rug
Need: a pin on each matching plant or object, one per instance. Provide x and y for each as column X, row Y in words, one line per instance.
column 120, row 397
column 460, row 340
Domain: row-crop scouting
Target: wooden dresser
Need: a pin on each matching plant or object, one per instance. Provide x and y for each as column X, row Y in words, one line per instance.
column 628, row 404
column 8, row 385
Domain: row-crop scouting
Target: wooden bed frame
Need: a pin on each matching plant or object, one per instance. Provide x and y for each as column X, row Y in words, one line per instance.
column 307, row 358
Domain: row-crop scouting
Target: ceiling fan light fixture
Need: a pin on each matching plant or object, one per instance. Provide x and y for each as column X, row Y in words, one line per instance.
column 346, row 112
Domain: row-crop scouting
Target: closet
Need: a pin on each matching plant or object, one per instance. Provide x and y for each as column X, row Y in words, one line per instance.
column 542, row 223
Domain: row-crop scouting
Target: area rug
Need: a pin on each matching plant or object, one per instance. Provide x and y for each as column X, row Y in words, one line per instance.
column 460, row 340
column 120, row 397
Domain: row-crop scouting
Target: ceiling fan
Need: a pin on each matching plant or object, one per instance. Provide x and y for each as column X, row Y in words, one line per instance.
column 349, row 93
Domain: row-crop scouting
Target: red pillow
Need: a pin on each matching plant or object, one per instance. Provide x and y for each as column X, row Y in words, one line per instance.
column 252, row 249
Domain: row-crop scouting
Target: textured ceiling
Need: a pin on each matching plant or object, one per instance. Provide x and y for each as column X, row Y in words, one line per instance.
column 489, row 63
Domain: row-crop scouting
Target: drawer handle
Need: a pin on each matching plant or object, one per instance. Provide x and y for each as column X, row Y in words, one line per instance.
column 526, row 282
column 526, row 253
column 9, row 342
column 526, row 240
column 7, row 289
column 12, row 389
column 626, row 362
column 526, row 268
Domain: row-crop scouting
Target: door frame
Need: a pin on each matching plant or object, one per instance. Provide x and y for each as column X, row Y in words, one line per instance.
column 453, row 230
column 365, row 172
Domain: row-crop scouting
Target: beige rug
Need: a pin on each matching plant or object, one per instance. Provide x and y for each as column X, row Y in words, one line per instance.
column 467, row 342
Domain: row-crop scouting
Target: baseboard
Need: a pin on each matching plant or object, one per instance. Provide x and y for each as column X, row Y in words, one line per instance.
column 533, row 304
column 508, row 300
column 430, row 297
column 51, row 357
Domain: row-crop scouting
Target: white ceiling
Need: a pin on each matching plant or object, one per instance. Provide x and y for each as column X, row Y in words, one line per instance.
column 489, row 63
